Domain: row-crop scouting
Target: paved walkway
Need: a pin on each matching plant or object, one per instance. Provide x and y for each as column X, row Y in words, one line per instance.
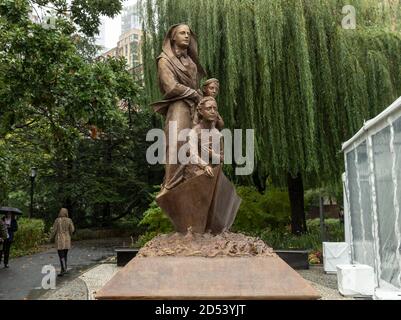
column 24, row 277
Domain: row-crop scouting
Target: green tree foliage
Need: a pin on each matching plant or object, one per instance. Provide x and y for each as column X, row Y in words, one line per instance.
column 155, row 221
column 103, row 178
column 259, row 211
column 290, row 71
column 76, row 118
column 42, row 74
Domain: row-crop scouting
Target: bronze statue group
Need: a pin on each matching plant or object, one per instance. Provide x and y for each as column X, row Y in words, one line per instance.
column 205, row 204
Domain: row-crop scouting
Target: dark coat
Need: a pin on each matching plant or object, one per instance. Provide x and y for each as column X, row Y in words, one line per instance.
column 11, row 229
column 3, row 234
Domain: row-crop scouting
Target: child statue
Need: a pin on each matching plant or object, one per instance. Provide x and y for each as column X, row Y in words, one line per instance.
column 210, row 88
column 205, row 141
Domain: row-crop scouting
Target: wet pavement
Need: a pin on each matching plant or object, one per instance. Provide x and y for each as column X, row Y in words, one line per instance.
column 23, row 280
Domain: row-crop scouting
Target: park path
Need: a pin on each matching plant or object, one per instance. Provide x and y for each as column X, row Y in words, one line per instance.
column 22, row 281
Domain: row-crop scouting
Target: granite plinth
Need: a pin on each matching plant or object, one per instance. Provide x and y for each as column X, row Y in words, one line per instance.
column 268, row 278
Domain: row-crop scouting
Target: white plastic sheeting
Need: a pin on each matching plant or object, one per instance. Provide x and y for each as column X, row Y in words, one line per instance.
column 373, row 191
column 360, row 205
column 388, row 240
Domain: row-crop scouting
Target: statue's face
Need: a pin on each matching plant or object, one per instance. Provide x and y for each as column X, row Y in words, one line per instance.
column 182, row 36
column 209, row 111
column 212, row 89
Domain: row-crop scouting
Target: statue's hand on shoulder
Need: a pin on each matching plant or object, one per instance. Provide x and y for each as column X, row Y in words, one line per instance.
column 209, row 171
column 197, row 97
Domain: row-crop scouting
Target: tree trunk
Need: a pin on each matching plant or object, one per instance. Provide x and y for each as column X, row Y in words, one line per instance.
column 108, row 159
column 106, row 214
column 68, row 205
column 259, row 182
column 296, row 194
column 69, row 202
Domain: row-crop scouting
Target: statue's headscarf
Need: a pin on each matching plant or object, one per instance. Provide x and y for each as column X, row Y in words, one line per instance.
column 192, row 48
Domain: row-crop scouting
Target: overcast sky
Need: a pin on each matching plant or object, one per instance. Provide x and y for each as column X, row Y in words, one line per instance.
column 113, row 27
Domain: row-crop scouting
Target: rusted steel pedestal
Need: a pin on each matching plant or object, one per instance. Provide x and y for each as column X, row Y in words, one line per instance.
column 268, row 278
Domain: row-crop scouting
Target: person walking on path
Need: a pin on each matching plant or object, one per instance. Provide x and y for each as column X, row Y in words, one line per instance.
column 12, row 226
column 3, row 236
column 62, row 231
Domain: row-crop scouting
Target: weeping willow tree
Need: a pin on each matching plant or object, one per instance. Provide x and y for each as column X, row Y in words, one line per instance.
column 290, row 71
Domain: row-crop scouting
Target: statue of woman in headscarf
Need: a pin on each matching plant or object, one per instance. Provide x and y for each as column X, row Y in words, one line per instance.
column 179, row 73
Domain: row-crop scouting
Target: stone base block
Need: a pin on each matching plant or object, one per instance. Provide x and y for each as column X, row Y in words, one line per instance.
column 268, row 278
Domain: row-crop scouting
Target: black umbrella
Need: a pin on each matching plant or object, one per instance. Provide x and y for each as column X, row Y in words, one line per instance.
column 10, row 209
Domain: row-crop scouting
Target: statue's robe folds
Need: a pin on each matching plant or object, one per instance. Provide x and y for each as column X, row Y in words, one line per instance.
column 178, row 87
column 178, row 76
column 201, row 202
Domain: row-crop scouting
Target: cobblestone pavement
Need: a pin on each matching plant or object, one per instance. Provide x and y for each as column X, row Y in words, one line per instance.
column 325, row 284
column 22, row 281
column 86, row 285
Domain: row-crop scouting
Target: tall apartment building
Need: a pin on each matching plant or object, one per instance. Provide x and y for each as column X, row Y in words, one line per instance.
column 130, row 40
column 131, row 18
column 129, row 46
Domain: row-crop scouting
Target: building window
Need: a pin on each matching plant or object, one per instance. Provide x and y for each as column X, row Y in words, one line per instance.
column 135, row 49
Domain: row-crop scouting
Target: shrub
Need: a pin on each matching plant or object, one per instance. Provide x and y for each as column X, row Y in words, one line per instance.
column 276, row 203
column 312, row 240
column 250, row 216
column 124, row 227
column 282, row 239
column 334, row 229
column 88, row 234
column 260, row 211
column 30, row 235
column 156, row 222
